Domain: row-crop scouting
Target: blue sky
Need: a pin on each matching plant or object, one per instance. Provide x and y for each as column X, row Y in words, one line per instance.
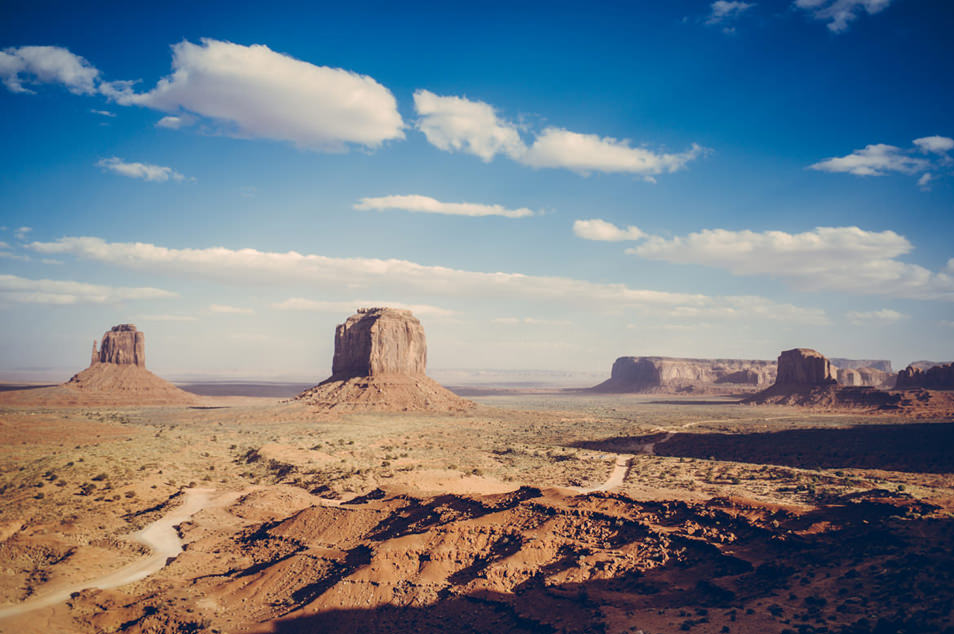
column 550, row 186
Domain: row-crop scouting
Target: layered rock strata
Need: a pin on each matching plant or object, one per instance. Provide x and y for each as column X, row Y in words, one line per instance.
column 938, row 377
column 121, row 345
column 379, row 365
column 669, row 374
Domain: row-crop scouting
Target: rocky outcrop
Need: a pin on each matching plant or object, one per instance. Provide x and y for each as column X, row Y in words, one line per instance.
column 669, row 374
column 121, row 345
column 856, row 364
column 379, row 365
column 938, row 377
column 864, row 377
column 804, row 367
column 377, row 341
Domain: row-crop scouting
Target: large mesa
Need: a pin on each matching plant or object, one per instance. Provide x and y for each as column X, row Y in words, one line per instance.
column 669, row 374
column 116, row 375
column 379, row 364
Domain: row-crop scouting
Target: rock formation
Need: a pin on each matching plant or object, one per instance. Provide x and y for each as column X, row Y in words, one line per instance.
column 668, row 374
column 122, row 345
column 864, row 377
column 117, row 375
column 803, row 367
column 938, row 377
column 856, row 364
column 379, row 365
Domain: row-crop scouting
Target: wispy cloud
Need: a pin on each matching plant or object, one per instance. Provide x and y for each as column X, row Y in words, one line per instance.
column 250, row 266
column 845, row 259
column 31, row 65
column 234, row 310
column 840, row 13
column 319, row 306
column 20, row 290
column 143, row 171
column 531, row 321
column 426, row 204
column 875, row 317
column 103, row 113
column 166, row 318
column 457, row 124
column 596, row 229
column 21, row 233
column 722, row 11
column 879, row 159
column 175, row 122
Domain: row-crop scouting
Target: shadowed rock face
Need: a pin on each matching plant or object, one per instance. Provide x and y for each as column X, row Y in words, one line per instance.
column 939, row 377
column 122, row 345
column 378, row 341
column 804, row 367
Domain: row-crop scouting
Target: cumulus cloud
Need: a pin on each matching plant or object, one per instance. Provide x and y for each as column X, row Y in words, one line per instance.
column 839, row 13
column 722, row 10
column 426, row 204
column 20, row 290
column 596, row 229
column 144, row 171
column 846, row 259
column 250, row 266
column 234, row 310
column 875, row 317
column 936, row 144
column 318, row 306
column 255, row 92
column 457, row 124
column 32, row 65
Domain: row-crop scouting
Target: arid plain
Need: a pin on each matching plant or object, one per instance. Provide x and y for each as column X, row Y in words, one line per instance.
column 519, row 510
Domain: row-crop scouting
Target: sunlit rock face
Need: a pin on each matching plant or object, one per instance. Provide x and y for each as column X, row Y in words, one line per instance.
column 121, row 345
column 804, row 366
column 379, row 341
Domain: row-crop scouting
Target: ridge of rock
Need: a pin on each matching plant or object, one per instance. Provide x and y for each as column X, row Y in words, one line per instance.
column 938, row 377
column 674, row 374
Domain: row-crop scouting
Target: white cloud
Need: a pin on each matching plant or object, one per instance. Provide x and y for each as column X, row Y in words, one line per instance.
column 457, row 124
column 845, row 259
column 46, row 65
column 531, row 321
column 103, row 113
column 596, row 229
column 925, row 181
column 145, row 171
column 175, row 122
column 311, row 305
column 21, row 290
column 250, row 266
column 255, row 92
column 723, row 10
column 4, row 245
column 936, row 144
column 166, row 318
column 946, row 323
column 461, row 125
column 838, row 13
column 556, row 147
column 425, row 204
column 874, row 160
column 20, row 233
column 235, row 310
column 875, row 317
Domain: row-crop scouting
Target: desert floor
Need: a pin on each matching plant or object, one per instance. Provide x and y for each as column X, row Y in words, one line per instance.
column 537, row 512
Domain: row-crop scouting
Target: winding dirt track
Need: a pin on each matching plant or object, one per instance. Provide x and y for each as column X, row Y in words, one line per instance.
column 160, row 536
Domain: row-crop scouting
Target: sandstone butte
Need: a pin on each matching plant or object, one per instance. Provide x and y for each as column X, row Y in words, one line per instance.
column 379, row 364
column 939, row 377
column 117, row 375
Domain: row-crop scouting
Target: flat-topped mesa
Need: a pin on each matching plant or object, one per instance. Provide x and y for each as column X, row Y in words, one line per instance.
column 939, row 377
column 804, row 367
column 121, row 345
column 379, row 341
column 670, row 374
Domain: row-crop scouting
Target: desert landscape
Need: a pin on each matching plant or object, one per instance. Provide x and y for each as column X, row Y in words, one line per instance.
column 379, row 501
column 477, row 317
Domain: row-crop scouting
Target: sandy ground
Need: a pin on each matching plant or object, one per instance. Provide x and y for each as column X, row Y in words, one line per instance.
column 533, row 512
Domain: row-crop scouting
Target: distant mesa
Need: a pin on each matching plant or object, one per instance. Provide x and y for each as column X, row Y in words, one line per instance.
column 675, row 375
column 935, row 377
column 379, row 365
column 857, row 364
column 117, row 375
